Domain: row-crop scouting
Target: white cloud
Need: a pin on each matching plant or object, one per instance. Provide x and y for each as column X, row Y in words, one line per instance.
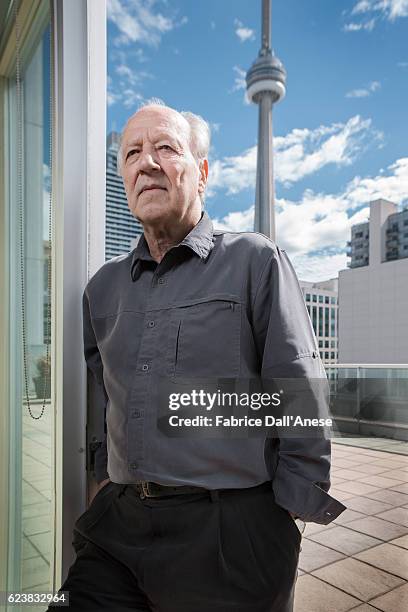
column 112, row 98
column 402, row 64
column 131, row 98
column 234, row 174
column 137, row 21
column 243, row 32
column 238, row 221
column 298, row 154
column 131, row 77
column 352, row 27
column 391, row 10
column 239, row 82
column 127, row 89
column 317, row 268
column 361, row 7
column 315, row 229
column 355, row 27
column 364, row 92
column 126, row 72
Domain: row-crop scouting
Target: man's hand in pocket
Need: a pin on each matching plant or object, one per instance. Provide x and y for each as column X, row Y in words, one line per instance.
column 98, row 488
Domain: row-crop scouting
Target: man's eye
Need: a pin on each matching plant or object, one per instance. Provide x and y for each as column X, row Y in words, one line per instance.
column 132, row 152
column 166, row 147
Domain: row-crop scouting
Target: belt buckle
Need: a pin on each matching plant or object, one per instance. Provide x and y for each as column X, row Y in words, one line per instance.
column 145, row 489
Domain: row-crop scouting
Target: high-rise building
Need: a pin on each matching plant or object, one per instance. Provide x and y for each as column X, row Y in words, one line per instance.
column 394, row 238
column 358, row 246
column 121, row 226
column 373, row 292
column 265, row 82
column 322, row 304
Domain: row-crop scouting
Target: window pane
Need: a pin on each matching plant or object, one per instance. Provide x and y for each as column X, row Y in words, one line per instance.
column 31, row 416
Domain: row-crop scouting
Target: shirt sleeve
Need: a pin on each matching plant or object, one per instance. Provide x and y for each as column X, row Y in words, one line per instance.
column 97, row 396
column 287, row 349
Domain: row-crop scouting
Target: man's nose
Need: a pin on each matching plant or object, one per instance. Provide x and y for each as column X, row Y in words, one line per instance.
column 148, row 162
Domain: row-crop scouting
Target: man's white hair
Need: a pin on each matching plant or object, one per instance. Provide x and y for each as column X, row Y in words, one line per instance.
column 200, row 134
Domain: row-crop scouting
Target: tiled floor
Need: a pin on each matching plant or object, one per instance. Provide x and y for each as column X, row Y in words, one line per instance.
column 37, row 533
column 359, row 561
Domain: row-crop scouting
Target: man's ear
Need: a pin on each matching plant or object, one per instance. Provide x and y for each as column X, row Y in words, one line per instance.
column 203, row 175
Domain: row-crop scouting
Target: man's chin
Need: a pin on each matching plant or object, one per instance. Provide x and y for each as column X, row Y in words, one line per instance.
column 152, row 215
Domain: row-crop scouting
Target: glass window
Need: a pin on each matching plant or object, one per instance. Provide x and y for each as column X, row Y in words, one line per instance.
column 31, row 475
column 307, row 297
column 327, row 299
column 320, row 343
column 320, row 321
column 314, row 298
column 333, row 330
column 321, row 299
column 314, row 318
column 326, row 322
column 333, row 300
column 326, row 344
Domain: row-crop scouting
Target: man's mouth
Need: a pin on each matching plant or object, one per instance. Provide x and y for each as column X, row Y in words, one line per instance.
column 151, row 187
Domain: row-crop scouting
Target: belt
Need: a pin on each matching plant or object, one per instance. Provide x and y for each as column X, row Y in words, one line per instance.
column 153, row 489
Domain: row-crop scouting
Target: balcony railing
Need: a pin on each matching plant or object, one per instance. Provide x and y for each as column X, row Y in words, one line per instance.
column 370, row 399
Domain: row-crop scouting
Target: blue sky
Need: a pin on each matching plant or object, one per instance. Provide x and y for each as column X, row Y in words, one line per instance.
column 340, row 134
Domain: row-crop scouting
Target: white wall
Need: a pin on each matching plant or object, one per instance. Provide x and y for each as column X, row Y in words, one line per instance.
column 373, row 307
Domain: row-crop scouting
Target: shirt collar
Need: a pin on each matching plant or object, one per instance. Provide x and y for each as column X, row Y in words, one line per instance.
column 199, row 240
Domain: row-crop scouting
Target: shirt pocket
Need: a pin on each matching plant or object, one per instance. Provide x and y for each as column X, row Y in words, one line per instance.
column 204, row 338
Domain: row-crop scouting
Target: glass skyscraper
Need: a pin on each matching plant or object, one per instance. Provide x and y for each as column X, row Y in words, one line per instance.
column 121, row 227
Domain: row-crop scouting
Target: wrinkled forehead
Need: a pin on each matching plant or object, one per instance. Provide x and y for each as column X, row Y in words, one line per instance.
column 148, row 122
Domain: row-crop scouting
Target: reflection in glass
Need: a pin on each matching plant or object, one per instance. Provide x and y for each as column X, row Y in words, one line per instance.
column 30, row 565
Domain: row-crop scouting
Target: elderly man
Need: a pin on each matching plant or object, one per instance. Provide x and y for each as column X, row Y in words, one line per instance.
column 192, row 524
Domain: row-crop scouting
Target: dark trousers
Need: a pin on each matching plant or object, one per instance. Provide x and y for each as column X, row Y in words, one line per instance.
column 236, row 551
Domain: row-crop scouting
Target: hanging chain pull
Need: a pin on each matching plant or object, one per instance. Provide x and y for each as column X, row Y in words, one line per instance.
column 20, row 206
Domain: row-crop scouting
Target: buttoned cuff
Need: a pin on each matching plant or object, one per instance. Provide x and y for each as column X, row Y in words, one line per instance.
column 306, row 499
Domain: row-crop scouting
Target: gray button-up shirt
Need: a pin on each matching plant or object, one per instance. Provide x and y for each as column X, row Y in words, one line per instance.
column 219, row 305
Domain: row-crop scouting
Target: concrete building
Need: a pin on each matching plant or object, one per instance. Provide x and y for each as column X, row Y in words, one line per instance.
column 373, row 292
column 358, row 248
column 121, row 226
column 322, row 304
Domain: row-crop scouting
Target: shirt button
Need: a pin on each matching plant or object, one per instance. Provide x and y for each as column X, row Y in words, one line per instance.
column 134, row 465
column 145, row 367
column 150, row 324
column 161, row 281
column 328, row 513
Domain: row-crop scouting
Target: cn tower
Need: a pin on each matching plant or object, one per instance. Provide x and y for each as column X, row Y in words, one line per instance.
column 265, row 82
